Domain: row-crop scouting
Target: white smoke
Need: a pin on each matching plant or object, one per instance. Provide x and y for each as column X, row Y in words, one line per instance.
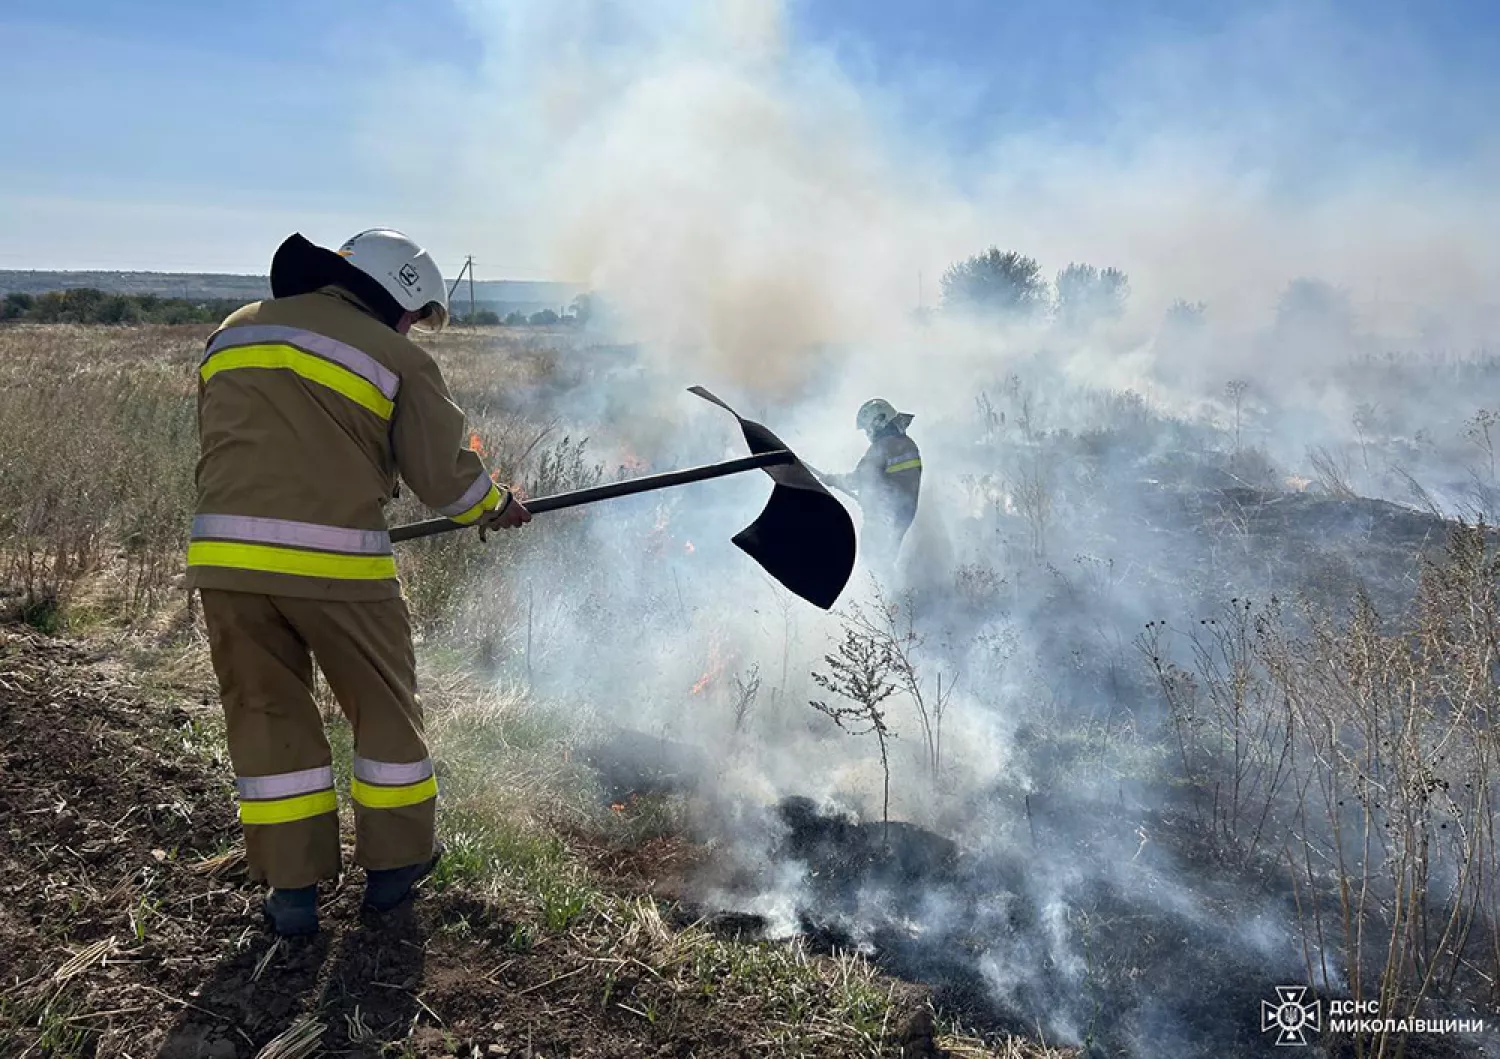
column 762, row 221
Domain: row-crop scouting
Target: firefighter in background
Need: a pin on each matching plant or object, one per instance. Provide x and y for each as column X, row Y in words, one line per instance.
column 885, row 483
column 311, row 406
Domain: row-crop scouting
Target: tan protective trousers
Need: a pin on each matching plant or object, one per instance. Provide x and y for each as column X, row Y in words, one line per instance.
column 263, row 649
column 880, row 540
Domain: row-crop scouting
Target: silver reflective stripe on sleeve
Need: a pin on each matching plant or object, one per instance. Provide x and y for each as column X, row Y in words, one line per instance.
column 285, row 784
column 390, row 773
column 256, row 530
column 340, row 353
column 473, row 495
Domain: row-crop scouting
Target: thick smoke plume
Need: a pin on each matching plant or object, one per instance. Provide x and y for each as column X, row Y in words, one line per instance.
column 742, row 197
column 758, row 219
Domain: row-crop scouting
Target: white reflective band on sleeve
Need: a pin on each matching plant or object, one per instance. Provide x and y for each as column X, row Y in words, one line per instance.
column 473, row 495
column 390, row 773
column 362, row 364
column 285, row 784
column 294, row 534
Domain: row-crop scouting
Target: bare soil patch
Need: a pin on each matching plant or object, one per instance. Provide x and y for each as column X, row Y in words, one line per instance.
column 127, row 927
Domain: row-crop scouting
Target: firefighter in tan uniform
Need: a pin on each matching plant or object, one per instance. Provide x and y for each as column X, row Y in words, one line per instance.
column 310, row 407
column 886, row 483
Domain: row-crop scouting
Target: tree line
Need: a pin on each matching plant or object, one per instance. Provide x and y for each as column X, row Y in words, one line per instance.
column 84, row 305
column 1010, row 285
column 576, row 314
column 1006, row 285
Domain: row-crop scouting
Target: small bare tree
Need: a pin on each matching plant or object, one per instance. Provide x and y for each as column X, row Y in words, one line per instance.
column 860, row 671
column 1023, row 403
column 991, row 419
column 893, row 626
column 1364, row 421
column 1481, row 430
column 1235, row 390
column 1032, row 492
column 746, row 689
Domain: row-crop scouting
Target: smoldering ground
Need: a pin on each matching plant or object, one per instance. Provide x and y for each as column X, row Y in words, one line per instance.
column 1105, row 845
column 1136, row 535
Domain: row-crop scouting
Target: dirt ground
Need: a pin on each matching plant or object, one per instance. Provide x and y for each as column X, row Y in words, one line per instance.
column 128, row 929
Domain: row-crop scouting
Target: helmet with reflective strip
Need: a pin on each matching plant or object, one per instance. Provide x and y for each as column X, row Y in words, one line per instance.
column 406, row 272
column 874, row 415
column 388, row 272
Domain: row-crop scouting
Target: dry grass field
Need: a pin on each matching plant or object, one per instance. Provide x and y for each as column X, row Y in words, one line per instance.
column 1292, row 783
column 126, row 926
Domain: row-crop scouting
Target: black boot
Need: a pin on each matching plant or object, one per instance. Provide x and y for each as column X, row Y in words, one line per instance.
column 387, row 888
column 292, row 913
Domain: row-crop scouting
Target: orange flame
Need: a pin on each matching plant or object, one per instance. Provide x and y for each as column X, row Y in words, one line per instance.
column 688, row 547
column 659, row 539
column 713, row 672
column 475, row 443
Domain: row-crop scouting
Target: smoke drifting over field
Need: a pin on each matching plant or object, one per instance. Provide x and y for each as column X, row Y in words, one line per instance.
column 756, row 219
column 740, row 194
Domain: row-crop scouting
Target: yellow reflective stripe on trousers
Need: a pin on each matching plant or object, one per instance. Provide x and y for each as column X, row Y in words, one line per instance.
column 904, row 465
column 315, row 369
column 269, row 559
column 373, row 797
column 286, row 810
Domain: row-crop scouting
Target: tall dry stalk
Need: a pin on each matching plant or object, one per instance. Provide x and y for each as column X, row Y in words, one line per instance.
column 1368, row 746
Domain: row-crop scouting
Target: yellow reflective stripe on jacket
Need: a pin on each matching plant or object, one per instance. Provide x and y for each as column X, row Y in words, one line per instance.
column 268, row 558
column 373, row 797
column 489, row 503
column 341, row 353
column 904, row 465
column 313, row 368
column 286, row 810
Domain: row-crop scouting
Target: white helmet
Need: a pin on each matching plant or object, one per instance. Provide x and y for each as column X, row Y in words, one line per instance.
column 389, row 272
column 876, row 414
column 406, row 272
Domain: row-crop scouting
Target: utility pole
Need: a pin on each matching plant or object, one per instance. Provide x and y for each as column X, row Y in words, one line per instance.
column 468, row 268
column 469, row 264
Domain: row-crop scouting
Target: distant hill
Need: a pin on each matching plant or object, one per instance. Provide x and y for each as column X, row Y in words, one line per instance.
column 193, row 285
column 501, row 296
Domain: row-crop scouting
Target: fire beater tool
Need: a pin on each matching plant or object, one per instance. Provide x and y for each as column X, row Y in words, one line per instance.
column 804, row 537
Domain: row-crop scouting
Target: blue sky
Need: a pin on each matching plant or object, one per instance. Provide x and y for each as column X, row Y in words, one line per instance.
column 183, row 136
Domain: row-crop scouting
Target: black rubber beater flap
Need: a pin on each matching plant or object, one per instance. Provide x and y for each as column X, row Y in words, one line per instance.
column 804, row 538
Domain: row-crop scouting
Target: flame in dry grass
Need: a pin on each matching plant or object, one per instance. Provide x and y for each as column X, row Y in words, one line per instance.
column 633, row 463
column 714, row 671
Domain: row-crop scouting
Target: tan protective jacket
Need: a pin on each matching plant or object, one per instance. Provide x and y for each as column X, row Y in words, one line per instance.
column 889, row 478
column 308, row 410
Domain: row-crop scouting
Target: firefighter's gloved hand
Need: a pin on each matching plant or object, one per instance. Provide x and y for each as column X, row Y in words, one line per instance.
column 510, row 514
